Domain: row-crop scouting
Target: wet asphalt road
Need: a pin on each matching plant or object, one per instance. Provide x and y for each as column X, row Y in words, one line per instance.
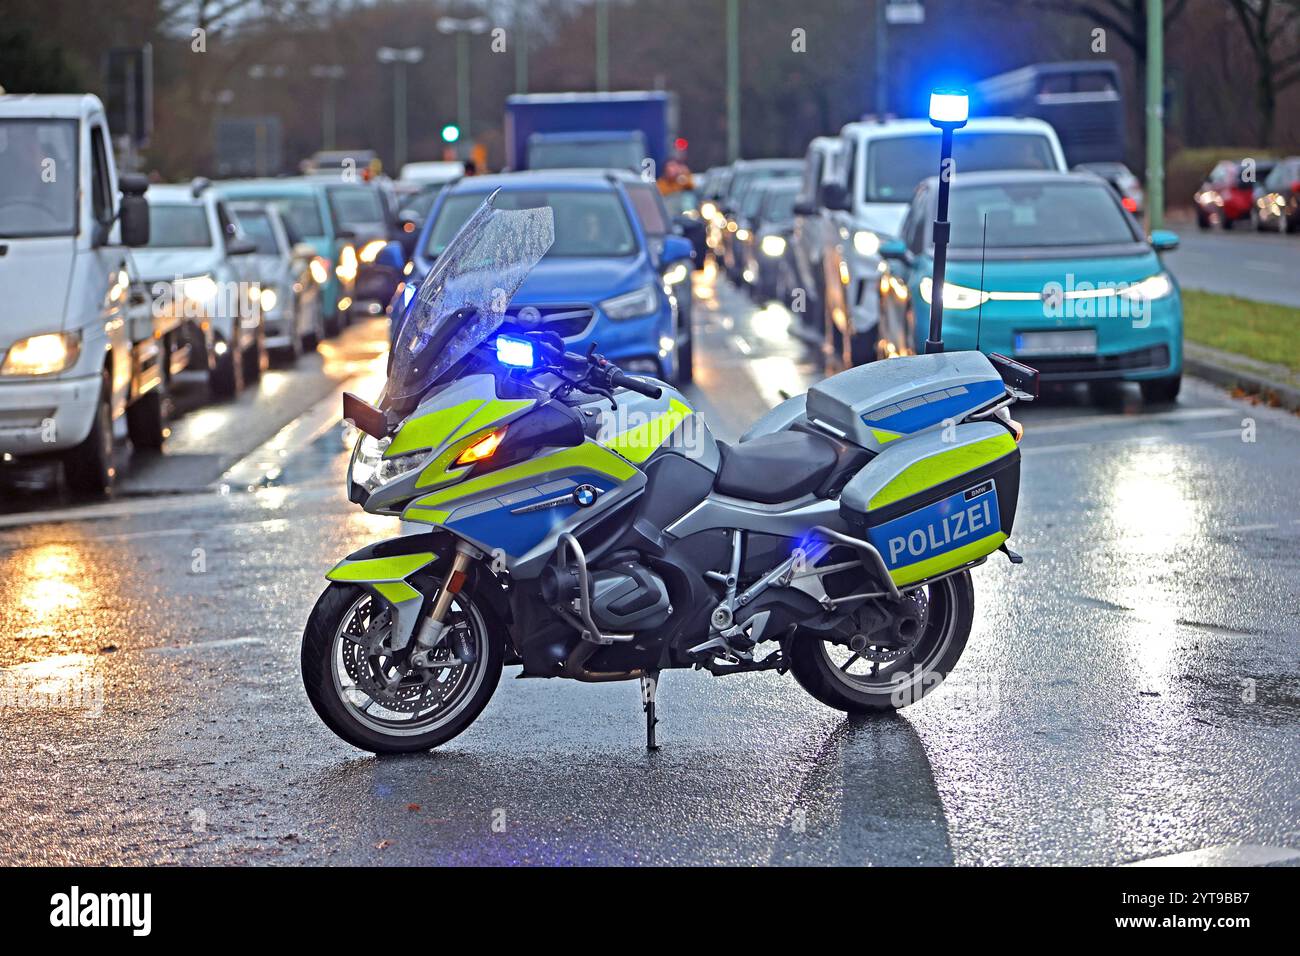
column 1131, row 691
column 1240, row 262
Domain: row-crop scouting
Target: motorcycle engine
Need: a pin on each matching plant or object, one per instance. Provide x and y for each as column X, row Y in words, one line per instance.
column 625, row 597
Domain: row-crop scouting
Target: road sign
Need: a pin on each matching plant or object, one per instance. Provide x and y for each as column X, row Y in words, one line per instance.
column 129, row 90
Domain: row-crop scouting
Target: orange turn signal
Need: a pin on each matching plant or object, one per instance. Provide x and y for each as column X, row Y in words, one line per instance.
column 482, row 449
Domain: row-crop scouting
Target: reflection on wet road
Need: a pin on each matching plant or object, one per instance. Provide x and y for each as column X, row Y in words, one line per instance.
column 1130, row 691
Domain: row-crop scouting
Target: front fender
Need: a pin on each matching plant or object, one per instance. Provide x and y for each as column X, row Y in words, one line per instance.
column 385, row 568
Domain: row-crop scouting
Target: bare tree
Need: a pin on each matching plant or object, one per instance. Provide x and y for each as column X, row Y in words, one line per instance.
column 1272, row 29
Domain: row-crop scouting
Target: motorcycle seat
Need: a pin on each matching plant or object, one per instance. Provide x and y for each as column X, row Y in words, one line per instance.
column 776, row 467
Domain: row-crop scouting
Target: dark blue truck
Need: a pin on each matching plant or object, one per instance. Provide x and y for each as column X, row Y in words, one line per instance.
column 561, row 130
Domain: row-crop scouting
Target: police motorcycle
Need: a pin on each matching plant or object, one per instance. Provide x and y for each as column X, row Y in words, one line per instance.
column 584, row 523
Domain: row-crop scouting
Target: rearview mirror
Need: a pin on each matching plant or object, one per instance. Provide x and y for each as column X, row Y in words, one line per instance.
column 392, row 256
column 1162, row 240
column 676, row 248
column 133, row 210
column 835, row 196
column 894, row 249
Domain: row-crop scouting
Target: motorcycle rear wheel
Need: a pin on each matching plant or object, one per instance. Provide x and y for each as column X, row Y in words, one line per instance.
column 825, row 670
column 422, row 715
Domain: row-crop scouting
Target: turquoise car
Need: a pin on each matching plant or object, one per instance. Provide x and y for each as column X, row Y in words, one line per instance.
column 1046, row 267
column 305, row 205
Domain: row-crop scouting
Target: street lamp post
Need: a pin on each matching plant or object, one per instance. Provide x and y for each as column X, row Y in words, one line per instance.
column 462, row 28
column 330, row 74
column 400, row 58
column 949, row 110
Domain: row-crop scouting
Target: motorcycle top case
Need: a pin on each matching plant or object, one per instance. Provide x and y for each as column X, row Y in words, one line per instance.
column 877, row 404
column 938, row 501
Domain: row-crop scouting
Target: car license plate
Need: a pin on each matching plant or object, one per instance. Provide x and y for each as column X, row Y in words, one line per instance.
column 1064, row 342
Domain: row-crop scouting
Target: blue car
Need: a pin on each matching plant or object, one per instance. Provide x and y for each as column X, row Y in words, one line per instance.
column 1047, row 267
column 603, row 280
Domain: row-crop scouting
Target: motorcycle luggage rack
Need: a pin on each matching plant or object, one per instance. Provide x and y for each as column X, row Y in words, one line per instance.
column 867, row 552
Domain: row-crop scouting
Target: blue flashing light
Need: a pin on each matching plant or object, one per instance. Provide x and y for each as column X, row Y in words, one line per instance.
column 515, row 352
column 949, row 108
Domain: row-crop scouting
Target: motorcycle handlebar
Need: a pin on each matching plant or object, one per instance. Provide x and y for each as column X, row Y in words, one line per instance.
column 618, row 378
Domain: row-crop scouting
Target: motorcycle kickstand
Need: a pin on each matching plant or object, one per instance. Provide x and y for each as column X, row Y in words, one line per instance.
column 649, row 684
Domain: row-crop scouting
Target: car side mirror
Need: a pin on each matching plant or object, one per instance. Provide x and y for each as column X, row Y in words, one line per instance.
column 835, row 196
column 392, row 256
column 1162, row 240
column 676, row 248
column 133, row 210
column 240, row 247
column 894, row 249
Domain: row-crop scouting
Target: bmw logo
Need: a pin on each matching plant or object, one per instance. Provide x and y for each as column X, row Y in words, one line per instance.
column 585, row 495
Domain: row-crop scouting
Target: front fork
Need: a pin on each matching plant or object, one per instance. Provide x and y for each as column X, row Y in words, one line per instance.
column 387, row 574
column 433, row 628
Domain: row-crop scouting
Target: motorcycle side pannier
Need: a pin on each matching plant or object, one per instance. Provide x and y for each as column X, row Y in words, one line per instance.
column 930, row 505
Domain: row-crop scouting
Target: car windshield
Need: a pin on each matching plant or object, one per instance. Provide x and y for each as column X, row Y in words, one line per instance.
column 257, row 226
column 178, row 226
column 599, row 154
column 462, row 301
column 301, row 212
column 589, row 223
column 1038, row 214
column 742, row 181
column 778, row 205
column 356, row 206
column 38, row 177
column 895, row 164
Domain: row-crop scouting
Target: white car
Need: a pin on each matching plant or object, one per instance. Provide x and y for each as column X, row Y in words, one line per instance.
column 198, row 266
column 77, row 355
column 876, row 172
column 288, row 294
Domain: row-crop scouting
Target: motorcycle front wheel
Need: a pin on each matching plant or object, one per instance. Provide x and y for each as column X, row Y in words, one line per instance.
column 878, row 679
column 357, row 684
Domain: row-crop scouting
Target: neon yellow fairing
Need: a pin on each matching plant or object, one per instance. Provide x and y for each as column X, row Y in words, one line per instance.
column 588, row 456
column 639, row 442
column 440, row 425
column 380, row 569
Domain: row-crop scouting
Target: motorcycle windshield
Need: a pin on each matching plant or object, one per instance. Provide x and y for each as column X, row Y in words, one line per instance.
column 463, row 299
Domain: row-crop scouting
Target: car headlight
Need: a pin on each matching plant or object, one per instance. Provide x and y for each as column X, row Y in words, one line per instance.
column 267, row 299
column 370, row 251
column 347, row 267
column 866, row 243
column 631, row 305
column 42, row 354
column 708, row 210
column 742, row 235
column 320, row 270
column 196, row 288
column 773, row 246
column 1152, row 287
column 370, row 469
column 954, row 296
column 676, row 274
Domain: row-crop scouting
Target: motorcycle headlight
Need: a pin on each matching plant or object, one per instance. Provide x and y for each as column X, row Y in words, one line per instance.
column 370, row 469
column 632, row 305
column 1152, row 287
column 955, row 297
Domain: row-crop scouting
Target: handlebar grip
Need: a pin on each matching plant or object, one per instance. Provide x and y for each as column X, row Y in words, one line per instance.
column 621, row 380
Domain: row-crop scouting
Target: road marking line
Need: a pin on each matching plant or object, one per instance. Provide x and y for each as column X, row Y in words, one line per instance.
column 1239, row 854
column 203, row 645
column 1068, row 424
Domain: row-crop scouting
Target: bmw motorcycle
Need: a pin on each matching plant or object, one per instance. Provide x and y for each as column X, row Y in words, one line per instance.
column 584, row 523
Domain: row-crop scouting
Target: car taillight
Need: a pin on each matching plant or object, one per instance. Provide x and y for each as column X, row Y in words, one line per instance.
column 1130, row 203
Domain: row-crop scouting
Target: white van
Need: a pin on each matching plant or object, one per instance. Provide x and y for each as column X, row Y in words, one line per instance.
column 878, row 169
column 77, row 351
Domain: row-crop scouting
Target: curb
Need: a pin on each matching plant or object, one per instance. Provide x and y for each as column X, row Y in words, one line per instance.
column 1275, row 384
